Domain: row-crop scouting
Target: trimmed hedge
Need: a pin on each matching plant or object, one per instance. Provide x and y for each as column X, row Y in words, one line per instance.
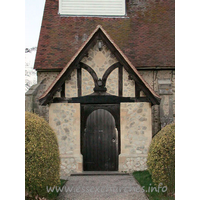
column 161, row 158
column 42, row 163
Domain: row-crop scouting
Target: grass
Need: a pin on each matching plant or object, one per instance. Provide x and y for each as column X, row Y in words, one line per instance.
column 144, row 179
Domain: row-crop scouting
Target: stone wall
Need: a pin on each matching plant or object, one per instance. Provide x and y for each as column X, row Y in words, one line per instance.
column 44, row 80
column 161, row 115
column 128, row 85
column 64, row 118
column 87, row 83
column 48, row 78
column 112, row 83
column 138, row 123
column 31, row 104
column 71, row 88
column 164, row 113
column 99, row 61
column 136, row 134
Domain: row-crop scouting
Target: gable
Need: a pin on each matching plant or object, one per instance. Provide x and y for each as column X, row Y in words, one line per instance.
column 100, row 61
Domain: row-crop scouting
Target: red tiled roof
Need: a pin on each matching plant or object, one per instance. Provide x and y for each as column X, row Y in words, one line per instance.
column 62, row 73
column 146, row 37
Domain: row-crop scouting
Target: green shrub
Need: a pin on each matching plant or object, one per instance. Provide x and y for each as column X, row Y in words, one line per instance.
column 42, row 163
column 161, row 158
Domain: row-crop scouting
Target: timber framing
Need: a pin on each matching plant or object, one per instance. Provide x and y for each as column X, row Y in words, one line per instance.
column 102, row 99
column 79, row 77
column 108, row 72
column 91, row 72
column 137, row 67
column 75, row 63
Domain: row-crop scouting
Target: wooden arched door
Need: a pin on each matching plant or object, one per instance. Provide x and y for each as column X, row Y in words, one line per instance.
column 100, row 142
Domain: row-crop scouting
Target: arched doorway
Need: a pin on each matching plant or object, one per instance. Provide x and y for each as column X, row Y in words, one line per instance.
column 100, row 140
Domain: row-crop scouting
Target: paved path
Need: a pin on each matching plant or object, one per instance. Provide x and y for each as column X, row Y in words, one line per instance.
column 116, row 187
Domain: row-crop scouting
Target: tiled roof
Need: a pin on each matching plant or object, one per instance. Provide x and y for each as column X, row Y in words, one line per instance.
column 62, row 73
column 145, row 35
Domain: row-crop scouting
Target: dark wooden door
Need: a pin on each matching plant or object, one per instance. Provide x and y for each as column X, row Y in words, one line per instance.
column 100, row 142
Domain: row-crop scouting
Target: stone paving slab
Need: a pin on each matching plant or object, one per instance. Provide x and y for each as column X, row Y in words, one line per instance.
column 99, row 173
column 102, row 187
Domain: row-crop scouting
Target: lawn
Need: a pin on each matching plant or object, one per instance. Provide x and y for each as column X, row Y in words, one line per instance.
column 144, row 179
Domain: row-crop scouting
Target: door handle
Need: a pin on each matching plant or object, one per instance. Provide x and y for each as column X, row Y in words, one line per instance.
column 113, row 140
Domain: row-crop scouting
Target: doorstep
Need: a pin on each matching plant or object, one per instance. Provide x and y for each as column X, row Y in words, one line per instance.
column 99, row 173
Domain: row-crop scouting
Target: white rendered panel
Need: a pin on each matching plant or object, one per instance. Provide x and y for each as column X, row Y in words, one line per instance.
column 92, row 7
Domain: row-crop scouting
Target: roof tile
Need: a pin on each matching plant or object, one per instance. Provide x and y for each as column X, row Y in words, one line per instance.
column 146, row 35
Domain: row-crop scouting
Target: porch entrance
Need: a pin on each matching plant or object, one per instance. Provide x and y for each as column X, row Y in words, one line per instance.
column 100, row 137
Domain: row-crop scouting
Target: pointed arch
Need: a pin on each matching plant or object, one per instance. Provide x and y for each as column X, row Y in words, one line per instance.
column 109, row 70
column 90, row 71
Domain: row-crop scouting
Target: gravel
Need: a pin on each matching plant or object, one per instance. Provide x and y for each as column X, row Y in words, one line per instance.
column 102, row 187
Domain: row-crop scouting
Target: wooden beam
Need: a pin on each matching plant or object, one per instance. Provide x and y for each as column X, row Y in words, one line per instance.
column 63, row 90
column 108, row 72
column 121, row 59
column 137, row 90
column 90, row 71
column 120, row 81
column 69, row 70
column 79, row 81
column 99, row 34
column 99, row 99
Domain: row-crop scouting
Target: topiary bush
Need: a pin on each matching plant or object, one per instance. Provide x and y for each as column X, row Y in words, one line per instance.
column 161, row 158
column 42, row 163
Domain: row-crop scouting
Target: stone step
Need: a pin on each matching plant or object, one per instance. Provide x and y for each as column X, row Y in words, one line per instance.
column 99, row 173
